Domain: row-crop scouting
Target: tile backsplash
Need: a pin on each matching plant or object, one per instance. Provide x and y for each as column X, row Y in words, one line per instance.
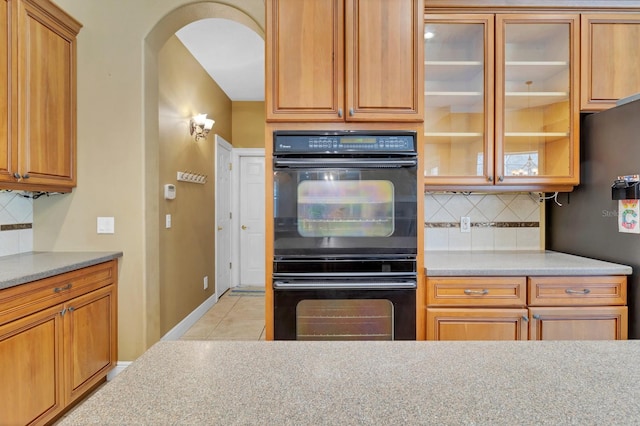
column 16, row 218
column 498, row 221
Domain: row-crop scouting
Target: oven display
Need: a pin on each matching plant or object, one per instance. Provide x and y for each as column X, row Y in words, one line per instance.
column 358, row 140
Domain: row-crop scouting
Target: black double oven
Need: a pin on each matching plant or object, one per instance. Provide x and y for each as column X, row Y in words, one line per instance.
column 345, row 235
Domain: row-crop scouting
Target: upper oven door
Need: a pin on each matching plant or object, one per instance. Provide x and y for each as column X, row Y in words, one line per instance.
column 353, row 205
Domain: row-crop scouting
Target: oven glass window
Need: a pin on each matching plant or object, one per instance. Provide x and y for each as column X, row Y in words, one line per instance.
column 344, row 319
column 345, row 208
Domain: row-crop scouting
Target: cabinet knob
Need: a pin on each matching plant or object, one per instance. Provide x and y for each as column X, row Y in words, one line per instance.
column 536, row 316
column 351, row 112
column 340, row 112
column 25, row 176
column 490, row 178
column 17, row 175
column 243, row 227
column 500, row 178
column 219, row 228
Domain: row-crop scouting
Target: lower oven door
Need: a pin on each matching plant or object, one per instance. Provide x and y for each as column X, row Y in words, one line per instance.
column 345, row 309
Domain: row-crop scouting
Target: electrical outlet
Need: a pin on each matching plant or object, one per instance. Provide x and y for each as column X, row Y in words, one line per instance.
column 206, row 282
column 465, row 224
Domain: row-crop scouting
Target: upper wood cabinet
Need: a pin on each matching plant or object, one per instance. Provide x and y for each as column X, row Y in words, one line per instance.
column 344, row 60
column 39, row 136
column 501, row 101
column 7, row 77
column 610, row 68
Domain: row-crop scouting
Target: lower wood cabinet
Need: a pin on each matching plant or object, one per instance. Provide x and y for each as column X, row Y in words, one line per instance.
column 58, row 339
column 476, row 324
column 578, row 308
column 578, row 323
column 521, row 308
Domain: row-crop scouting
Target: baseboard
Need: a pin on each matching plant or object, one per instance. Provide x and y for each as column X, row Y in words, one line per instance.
column 176, row 332
column 120, row 366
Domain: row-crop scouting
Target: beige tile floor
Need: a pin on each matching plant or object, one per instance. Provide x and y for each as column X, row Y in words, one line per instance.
column 238, row 315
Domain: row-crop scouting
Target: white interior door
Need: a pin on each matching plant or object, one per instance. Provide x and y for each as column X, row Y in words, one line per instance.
column 223, row 215
column 251, row 221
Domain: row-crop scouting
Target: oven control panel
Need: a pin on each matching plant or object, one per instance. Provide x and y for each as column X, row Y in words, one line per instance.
column 300, row 142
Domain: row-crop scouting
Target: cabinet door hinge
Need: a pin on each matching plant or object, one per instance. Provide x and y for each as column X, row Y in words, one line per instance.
column 230, row 166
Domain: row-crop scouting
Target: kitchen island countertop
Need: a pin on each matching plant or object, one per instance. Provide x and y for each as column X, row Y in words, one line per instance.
column 516, row 263
column 367, row 383
column 26, row 267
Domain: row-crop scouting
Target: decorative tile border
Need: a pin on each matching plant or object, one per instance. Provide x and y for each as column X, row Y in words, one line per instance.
column 483, row 224
column 16, row 226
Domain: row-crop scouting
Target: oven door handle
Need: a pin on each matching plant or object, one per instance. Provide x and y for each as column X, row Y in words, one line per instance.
column 344, row 285
column 361, row 163
column 343, row 275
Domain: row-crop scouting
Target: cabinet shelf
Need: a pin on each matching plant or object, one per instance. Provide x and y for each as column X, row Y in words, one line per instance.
column 471, row 100
column 453, row 134
column 537, row 134
column 534, row 99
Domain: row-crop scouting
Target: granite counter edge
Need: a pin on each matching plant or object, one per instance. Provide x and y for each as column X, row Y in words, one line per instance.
column 100, row 257
column 532, row 272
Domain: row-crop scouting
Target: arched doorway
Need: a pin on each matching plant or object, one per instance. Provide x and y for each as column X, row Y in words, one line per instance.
column 154, row 41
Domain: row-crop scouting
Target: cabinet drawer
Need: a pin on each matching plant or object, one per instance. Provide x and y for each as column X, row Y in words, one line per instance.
column 577, row 291
column 476, row 291
column 24, row 299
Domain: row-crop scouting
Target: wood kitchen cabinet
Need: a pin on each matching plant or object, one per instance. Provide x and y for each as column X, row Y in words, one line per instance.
column 58, row 339
column 501, row 101
column 578, row 308
column 609, row 52
column 476, row 308
column 344, row 60
column 39, row 104
column 534, row 308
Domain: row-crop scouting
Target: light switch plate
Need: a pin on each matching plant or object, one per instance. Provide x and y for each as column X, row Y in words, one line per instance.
column 106, row 225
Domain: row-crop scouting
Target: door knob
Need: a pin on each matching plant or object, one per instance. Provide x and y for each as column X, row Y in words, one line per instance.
column 243, row 227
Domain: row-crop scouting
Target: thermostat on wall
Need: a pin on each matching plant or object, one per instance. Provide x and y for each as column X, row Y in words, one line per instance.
column 169, row 191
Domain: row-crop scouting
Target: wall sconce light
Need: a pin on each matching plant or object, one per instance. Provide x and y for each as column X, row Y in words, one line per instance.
column 200, row 126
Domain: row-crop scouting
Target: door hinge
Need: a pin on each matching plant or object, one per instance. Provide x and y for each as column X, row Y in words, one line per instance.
column 230, row 166
column 230, row 265
column 230, row 217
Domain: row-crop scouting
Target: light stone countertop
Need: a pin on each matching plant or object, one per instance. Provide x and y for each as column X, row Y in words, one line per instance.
column 26, row 267
column 372, row 383
column 515, row 263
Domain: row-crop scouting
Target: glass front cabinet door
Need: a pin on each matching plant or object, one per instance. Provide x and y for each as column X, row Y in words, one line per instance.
column 501, row 101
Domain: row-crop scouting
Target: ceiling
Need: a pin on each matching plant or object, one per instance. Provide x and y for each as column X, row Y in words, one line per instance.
column 231, row 53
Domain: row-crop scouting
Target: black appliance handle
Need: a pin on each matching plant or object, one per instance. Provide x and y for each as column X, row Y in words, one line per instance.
column 344, row 275
column 373, row 163
column 344, row 285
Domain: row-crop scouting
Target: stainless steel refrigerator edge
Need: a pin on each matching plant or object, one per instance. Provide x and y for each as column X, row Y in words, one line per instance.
column 587, row 222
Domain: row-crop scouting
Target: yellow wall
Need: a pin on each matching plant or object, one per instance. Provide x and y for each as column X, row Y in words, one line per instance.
column 187, row 248
column 118, row 147
column 248, row 124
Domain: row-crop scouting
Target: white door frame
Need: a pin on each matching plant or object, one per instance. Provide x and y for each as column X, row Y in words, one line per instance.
column 220, row 141
column 236, row 154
